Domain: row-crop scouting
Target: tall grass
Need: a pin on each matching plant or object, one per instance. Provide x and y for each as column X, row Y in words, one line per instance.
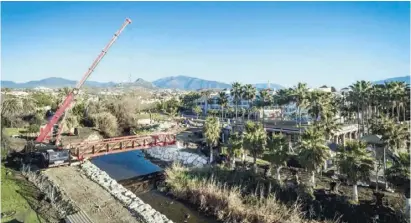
column 228, row 204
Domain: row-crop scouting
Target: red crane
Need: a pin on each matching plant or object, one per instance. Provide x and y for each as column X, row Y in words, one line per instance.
column 66, row 103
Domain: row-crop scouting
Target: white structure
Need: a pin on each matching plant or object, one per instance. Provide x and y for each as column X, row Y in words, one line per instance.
column 43, row 89
column 203, row 103
column 17, row 93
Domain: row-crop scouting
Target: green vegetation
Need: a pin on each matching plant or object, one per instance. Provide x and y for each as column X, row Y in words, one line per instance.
column 14, row 195
column 212, row 131
column 377, row 109
column 255, row 139
column 228, row 204
column 356, row 163
column 13, row 131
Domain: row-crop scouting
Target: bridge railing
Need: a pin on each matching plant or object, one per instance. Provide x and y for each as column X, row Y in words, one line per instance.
column 119, row 144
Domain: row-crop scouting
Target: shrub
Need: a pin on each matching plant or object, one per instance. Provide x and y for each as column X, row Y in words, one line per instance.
column 106, row 123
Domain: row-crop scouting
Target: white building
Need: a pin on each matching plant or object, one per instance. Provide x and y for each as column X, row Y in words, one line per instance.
column 203, row 102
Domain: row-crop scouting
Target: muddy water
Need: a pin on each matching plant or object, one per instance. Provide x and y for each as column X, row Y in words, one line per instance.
column 124, row 166
column 174, row 210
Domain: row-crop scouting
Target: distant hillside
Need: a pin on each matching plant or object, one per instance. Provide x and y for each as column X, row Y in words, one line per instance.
column 139, row 83
column 179, row 82
column 272, row 86
column 52, row 82
column 405, row 79
column 188, row 83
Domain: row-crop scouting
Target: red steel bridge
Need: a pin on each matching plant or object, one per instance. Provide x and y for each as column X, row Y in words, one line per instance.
column 89, row 149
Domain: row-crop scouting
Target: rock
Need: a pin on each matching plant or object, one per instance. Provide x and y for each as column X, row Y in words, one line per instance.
column 144, row 212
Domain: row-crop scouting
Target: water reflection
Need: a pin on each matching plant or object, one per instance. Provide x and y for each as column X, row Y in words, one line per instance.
column 125, row 165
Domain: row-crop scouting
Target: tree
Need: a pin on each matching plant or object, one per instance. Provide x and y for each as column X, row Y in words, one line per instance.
column 206, row 95
column 249, row 92
column 263, row 100
column 300, row 97
column 356, row 162
column 212, row 132
column 399, row 175
column 359, row 95
column 33, row 128
column 254, row 140
column 13, row 108
column 79, row 110
column 106, row 123
column 278, row 152
column 125, row 110
column 236, row 92
column 283, row 98
column 222, row 101
column 235, row 146
column 197, row 110
column 42, row 99
column 312, row 151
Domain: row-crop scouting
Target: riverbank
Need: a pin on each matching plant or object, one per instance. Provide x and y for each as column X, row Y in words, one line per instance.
column 174, row 209
column 242, row 196
column 228, row 204
column 144, row 212
column 19, row 199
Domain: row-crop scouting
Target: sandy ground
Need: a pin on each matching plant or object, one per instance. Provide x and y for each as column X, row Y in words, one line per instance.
column 99, row 205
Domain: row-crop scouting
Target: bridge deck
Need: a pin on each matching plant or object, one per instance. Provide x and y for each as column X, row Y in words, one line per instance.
column 94, row 148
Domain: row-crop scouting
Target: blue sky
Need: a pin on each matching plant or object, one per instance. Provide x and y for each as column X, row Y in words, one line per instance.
column 334, row 43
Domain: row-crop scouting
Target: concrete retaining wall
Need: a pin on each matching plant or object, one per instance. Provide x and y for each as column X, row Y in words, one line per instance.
column 143, row 212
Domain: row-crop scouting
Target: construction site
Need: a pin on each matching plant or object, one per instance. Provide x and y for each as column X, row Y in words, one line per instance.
column 76, row 190
column 189, row 150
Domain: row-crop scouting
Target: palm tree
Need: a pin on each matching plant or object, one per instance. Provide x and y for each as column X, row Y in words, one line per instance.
column 12, row 108
column 236, row 92
column 249, row 95
column 212, row 132
column 399, row 175
column 356, row 162
column 358, row 96
column 312, row 150
column 300, row 97
column 282, row 98
column 254, row 140
column 235, row 146
column 263, row 100
column 206, row 94
column 278, row 152
column 223, row 102
column 197, row 110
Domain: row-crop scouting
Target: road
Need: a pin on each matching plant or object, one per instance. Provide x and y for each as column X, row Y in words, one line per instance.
column 96, row 202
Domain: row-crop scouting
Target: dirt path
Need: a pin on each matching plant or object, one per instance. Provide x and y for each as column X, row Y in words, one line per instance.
column 99, row 205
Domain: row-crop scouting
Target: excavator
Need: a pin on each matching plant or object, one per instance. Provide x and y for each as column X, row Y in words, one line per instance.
column 46, row 151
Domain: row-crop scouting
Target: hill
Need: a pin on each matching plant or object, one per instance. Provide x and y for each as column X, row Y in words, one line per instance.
column 272, row 86
column 188, row 83
column 179, row 82
column 405, row 79
column 52, row 82
column 139, row 83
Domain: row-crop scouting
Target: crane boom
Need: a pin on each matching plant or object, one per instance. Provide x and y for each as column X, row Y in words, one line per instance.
column 70, row 96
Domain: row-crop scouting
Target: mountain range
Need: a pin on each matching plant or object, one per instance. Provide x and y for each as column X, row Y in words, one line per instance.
column 405, row 79
column 179, row 82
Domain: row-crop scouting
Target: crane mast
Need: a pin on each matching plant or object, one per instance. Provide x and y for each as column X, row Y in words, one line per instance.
column 67, row 101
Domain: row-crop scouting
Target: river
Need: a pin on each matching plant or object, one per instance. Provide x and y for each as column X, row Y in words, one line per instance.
column 132, row 164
